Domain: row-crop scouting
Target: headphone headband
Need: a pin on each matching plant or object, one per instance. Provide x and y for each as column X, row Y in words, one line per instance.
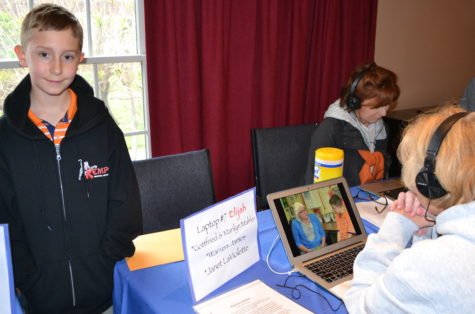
column 353, row 102
column 438, row 138
column 355, row 83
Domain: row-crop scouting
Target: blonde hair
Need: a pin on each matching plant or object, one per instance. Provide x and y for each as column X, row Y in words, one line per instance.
column 49, row 16
column 455, row 161
column 297, row 208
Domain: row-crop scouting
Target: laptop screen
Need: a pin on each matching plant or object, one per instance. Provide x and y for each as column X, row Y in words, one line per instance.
column 318, row 217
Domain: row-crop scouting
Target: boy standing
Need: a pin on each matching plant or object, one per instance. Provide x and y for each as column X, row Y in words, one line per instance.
column 343, row 220
column 67, row 185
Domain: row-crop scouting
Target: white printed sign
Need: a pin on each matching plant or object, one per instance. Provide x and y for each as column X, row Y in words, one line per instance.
column 7, row 292
column 220, row 242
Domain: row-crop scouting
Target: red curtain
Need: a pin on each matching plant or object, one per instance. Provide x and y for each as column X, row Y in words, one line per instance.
column 217, row 68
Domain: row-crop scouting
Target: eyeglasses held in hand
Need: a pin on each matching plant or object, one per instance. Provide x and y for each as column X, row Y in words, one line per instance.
column 380, row 205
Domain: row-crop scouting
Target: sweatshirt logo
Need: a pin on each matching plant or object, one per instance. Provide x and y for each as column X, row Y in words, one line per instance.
column 91, row 172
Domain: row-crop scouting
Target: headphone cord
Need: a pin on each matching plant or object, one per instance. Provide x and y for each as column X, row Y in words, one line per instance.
column 268, row 256
column 297, row 293
column 426, row 217
column 296, row 290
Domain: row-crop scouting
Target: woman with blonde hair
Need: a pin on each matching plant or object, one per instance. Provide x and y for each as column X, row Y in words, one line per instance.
column 434, row 273
column 307, row 229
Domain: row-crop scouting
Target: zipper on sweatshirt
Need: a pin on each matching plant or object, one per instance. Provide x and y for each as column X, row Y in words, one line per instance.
column 58, row 162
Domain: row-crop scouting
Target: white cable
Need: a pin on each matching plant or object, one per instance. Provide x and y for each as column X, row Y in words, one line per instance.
column 268, row 264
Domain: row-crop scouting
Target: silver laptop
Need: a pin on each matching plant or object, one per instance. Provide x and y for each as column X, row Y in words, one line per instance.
column 389, row 188
column 343, row 241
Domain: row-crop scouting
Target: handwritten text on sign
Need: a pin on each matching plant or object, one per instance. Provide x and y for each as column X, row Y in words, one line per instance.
column 220, row 242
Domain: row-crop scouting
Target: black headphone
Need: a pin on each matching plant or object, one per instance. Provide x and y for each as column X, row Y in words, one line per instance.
column 353, row 102
column 426, row 180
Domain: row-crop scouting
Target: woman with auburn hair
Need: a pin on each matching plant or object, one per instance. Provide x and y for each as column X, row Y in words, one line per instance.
column 354, row 124
column 423, row 257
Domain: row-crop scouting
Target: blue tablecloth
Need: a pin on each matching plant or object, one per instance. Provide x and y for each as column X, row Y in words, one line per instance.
column 165, row 289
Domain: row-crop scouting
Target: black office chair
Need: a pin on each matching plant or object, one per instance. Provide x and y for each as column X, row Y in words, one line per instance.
column 173, row 187
column 280, row 158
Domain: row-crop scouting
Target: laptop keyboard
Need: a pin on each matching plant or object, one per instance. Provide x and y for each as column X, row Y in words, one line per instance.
column 336, row 266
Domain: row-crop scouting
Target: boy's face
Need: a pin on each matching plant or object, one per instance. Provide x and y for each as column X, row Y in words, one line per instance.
column 52, row 58
column 338, row 209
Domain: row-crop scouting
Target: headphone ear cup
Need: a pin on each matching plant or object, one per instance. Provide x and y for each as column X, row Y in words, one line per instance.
column 428, row 184
column 353, row 102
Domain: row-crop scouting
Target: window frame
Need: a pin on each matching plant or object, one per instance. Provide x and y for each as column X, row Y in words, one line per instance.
column 94, row 61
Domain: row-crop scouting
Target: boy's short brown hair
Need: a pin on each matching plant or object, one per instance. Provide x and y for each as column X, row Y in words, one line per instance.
column 49, row 16
column 335, row 200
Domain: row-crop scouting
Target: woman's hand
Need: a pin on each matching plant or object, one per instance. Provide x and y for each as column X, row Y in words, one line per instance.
column 408, row 205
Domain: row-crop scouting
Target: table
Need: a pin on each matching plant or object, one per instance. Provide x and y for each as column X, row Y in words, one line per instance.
column 165, row 288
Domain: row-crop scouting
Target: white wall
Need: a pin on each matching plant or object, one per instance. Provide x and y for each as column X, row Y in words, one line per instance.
column 430, row 44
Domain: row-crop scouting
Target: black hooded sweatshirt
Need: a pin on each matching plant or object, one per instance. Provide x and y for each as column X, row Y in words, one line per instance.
column 72, row 212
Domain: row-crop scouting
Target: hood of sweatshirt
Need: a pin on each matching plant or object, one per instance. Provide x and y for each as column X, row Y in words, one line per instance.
column 458, row 220
column 371, row 133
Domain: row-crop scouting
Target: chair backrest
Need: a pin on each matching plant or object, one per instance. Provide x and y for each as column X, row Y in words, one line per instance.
column 173, row 187
column 280, row 158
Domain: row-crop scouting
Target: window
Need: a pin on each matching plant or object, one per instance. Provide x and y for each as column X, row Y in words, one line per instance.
column 114, row 47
